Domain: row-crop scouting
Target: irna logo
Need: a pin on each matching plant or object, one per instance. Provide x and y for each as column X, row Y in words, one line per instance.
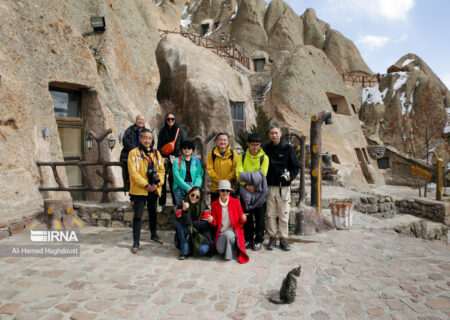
column 53, row 236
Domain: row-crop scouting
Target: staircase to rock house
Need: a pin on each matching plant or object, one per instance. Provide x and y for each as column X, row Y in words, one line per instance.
column 260, row 83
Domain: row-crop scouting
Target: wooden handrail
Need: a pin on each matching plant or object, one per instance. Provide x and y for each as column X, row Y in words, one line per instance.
column 223, row 51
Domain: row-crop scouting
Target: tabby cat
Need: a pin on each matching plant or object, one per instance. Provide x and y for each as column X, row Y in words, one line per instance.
column 288, row 289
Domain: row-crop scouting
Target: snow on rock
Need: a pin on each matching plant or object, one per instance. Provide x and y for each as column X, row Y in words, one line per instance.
column 402, row 102
column 236, row 11
column 447, row 126
column 400, row 82
column 372, row 95
column 407, row 61
column 416, row 68
column 186, row 22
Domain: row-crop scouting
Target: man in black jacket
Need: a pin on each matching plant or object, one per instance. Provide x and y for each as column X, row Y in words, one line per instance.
column 283, row 168
column 130, row 140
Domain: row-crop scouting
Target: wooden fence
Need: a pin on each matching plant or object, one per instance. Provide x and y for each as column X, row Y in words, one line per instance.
column 361, row 80
column 223, row 51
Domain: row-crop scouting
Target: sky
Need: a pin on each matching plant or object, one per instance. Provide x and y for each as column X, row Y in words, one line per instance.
column 385, row 30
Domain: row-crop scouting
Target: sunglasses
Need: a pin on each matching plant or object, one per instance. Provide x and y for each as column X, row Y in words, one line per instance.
column 170, row 119
column 194, row 196
column 226, row 191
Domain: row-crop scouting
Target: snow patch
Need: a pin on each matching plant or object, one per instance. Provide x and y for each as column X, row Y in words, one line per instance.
column 407, row 61
column 236, row 11
column 416, row 68
column 402, row 102
column 372, row 95
column 184, row 10
column 400, row 82
column 361, row 123
column 159, row 3
column 186, row 22
column 447, row 126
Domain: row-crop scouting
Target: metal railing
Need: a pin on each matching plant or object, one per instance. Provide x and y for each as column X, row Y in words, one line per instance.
column 224, row 51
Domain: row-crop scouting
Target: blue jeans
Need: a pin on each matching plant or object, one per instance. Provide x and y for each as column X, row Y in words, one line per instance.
column 180, row 194
column 185, row 246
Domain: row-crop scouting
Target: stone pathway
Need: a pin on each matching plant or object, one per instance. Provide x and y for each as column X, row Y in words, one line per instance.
column 362, row 273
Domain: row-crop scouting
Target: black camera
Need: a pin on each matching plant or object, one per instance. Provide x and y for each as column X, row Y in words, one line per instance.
column 152, row 175
column 284, row 177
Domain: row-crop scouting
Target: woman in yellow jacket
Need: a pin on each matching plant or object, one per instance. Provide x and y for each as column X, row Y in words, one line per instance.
column 146, row 169
column 221, row 164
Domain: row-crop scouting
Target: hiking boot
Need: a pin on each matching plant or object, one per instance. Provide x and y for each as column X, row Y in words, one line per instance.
column 284, row 245
column 135, row 248
column 257, row 246
column 156, row 238
column 272, row 244
column 248, row 244
column 182, row 257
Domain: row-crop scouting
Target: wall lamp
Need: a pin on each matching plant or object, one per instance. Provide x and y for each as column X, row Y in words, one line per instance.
column 98, row 24
column 46, row 132
column 89, row 142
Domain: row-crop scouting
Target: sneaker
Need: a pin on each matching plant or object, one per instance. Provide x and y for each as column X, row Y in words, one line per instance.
column 257, row 246
column 248, row 244
column 156, row 238
column 284, row 245
column 135, row 248
column 272, row 244
column 182, row 257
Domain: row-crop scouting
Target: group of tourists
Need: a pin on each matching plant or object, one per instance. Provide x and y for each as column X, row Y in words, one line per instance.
column 260, row 177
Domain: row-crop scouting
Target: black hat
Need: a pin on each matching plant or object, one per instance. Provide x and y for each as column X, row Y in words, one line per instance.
column 188, row 144
column 253, row 137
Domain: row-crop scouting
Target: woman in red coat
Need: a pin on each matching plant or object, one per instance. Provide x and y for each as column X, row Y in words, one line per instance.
column 228, row 218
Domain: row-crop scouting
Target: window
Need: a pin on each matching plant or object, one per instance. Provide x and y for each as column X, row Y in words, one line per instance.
column 335, row 107
column 259, row 64
column 69, row 118
column 238, row 116
column 338, row 103
column 66, row 104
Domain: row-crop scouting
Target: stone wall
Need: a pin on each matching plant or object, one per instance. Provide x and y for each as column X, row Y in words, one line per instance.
column 15, row 225
column 120, row 214
column 433, row 210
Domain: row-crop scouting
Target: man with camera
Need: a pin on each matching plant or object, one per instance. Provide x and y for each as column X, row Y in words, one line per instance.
column 283, row 168
column 146, row 169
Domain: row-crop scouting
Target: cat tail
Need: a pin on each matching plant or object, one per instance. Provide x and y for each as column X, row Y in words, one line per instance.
column 276, row 300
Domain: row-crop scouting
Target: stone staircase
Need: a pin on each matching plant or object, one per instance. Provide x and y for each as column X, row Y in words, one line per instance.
column 260, row 83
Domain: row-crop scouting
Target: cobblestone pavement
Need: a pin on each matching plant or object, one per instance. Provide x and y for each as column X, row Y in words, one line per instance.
column 362, row 273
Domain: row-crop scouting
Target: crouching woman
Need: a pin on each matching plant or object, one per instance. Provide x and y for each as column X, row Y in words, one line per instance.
column 229, row 218
column 194, row 230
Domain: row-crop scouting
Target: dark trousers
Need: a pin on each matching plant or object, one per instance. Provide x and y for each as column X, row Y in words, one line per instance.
column 162, row 199
column 139, row 204
column 125, row 176
column 254, row 227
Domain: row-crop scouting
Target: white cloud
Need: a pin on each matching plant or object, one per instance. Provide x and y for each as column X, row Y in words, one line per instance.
column 401, row 38
column 391, row 10
column 372, row 42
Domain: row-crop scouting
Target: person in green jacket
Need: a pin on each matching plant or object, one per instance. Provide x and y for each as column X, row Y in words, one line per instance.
column 187, row 172
column 253, row 159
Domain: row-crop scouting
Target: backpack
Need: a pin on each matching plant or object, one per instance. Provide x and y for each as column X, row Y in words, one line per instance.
column 213, row 155
column 261, row 159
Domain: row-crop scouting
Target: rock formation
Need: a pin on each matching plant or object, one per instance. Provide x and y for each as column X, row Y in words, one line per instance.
column 201, row 86
column 393, row 102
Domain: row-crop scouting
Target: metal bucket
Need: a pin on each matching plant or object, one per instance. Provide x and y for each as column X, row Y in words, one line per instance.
column 341, row 213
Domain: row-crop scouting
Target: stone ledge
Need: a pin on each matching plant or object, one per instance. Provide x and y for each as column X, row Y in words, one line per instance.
column 12, row 226
column 434, row 210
